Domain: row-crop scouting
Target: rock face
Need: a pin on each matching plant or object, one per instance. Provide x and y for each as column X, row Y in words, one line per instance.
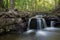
column 10, row 21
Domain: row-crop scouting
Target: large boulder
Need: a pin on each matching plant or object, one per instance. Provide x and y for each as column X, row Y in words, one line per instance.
column 8, row 21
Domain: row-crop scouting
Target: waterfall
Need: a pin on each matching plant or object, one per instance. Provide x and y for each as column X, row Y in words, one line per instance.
column 38, row 24
column 41, row 23
column 52, row 24
column 45, row 25
column 29, row 24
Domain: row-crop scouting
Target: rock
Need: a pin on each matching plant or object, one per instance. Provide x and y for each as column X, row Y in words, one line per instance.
column 8, row 20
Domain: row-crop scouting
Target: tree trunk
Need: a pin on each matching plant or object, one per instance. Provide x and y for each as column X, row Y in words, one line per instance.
column 1, row 3
column 6, row 4
column 59, row 3
column 12, row 5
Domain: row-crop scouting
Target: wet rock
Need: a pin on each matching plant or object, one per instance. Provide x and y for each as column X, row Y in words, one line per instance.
column 12, row 20
column 1, row 30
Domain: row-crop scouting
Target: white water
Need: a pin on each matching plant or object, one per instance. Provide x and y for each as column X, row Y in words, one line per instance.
column 40, row 21
column 52, row 24
column 39, row 24
column 45, row 25
column 28, row 24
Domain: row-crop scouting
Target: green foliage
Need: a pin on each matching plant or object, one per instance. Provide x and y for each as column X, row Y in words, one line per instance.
column 24, row 5
column 33, row 5
column 36, row 5
column 6, row 3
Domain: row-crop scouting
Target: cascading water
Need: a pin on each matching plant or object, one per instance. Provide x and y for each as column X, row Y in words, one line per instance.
column 29, row 24
column 41, row 23
column 52, row 23
column 38, row 24
column 28, row 28
column 44, row 23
